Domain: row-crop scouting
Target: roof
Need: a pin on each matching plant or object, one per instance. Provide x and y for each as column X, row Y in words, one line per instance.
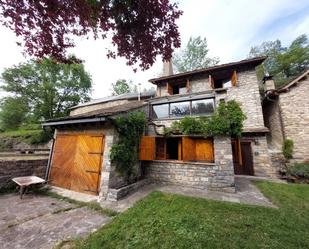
column 247, row 62
column 146, row 94
column 97, row 115
column 293, row 82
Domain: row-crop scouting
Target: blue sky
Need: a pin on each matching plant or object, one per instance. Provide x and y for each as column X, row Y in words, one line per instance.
column 231, row 27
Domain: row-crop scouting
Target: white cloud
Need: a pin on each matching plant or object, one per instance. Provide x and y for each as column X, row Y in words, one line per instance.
column 231, row 28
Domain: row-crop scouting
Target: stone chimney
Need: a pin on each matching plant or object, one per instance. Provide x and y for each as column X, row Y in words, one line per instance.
column 268, row 82
column 167, row 68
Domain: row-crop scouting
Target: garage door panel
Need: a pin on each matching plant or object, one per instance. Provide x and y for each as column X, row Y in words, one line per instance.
column 77, row 161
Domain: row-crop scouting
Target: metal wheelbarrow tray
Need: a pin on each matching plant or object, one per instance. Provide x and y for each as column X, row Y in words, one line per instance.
column 25, row 181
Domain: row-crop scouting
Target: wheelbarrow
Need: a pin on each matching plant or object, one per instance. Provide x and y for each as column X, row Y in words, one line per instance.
column 25, row 181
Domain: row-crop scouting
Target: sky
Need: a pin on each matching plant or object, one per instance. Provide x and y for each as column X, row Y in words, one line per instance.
column 231, row 27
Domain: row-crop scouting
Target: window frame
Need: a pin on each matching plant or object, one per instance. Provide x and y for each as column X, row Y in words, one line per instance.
column 179, row 117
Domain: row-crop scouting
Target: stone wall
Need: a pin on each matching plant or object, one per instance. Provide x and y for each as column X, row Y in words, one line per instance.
column 294, row 106
column 247, row 94
column 262, row 164
column 272, row 120
column 214, row 176
column 15, row 168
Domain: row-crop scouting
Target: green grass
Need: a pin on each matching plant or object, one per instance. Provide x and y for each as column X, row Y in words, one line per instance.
column 171, row 221
column 20, row 133
column 36, row 136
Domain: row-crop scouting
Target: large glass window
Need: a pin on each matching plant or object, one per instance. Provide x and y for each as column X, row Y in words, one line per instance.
column 180, row 109
column 184, row 108
column 202, row 106
column 160, row 111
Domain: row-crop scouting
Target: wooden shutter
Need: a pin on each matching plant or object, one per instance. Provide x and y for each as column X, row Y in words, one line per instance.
column 169, row 89
column 204, row 150
column 234, row 78
column 147, row 148
column 188, row 86
column 160, row 148
column 188, row 149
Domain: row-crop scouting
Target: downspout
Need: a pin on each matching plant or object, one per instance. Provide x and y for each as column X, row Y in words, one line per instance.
column 50, row 157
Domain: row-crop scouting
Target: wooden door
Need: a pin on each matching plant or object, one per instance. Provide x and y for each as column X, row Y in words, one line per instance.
column 62, row 161
column 242, row 157
column 76, row 162
column 87, row 168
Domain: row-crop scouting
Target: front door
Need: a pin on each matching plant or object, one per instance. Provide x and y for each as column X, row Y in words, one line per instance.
column 76, row 162
column 242, row 157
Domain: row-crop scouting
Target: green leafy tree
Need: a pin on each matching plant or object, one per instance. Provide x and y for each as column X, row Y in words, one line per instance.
column 194, row 56
column 284, row 63
column 120, row 87
column 123, row 86
column 13, row 113
column 48, row 88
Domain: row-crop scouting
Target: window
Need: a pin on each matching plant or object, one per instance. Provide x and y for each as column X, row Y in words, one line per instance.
column 223, row 81
column 177, row 88
column 203, row 106
column 184, row 108
column 160, row 111
column 177, row 148
column 180, row 109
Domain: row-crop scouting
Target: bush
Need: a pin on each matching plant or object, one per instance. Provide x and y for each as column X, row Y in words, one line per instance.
column 227, row 120
column 41, row 137
column 287, row 148
column 300, row 170
column 125, row 153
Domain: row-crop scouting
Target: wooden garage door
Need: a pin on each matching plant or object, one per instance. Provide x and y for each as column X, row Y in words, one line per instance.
column 76, row 162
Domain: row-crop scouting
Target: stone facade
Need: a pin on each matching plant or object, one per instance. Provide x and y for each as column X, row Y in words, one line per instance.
column 261, row 157
column 273, row 122
column 247, row 94
column 294, row 106
column 16, row 168
column 214, row 176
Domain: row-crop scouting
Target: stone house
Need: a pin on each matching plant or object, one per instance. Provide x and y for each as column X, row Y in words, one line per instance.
column 286, row 114
column 80, row 159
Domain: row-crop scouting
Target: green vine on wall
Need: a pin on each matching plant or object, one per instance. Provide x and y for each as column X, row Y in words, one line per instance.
column 227, row 120
column 125, row 152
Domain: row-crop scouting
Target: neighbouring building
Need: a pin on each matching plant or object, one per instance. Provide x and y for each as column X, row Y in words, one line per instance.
column 286, row 114
column 80, row 158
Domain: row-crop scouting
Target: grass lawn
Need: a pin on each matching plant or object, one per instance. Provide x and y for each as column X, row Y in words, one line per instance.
column 171, row 221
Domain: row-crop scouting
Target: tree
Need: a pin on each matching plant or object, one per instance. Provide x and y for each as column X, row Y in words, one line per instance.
column 13, row 113
column 194, row 56
column 140, row 30
column 48, row 88
column 284, row 63
column 120, row 87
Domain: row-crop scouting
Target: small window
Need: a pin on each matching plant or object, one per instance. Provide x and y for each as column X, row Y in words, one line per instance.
column 160, row 111
column 180, row 109
column 178, row 89
column 202, row 106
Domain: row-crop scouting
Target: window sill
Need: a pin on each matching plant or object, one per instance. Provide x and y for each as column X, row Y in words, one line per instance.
column 184, row 162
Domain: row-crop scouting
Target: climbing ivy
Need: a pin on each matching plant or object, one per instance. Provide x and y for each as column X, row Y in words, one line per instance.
column 125, row 152
column 227, row 120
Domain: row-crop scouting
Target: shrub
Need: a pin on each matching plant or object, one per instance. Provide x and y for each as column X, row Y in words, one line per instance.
column 125, row 153
column 227, row 120
column 287, row 148
column 300, row 170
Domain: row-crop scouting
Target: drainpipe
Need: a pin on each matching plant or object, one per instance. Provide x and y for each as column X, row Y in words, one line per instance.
column 50, row 157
